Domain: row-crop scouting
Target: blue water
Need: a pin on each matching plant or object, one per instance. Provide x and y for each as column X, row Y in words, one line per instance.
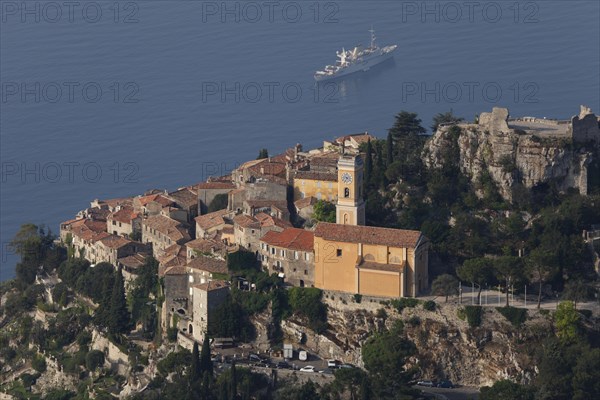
column 173, row 58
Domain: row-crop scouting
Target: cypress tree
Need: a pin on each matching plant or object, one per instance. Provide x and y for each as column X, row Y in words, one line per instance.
column 118, row 320
column 390, row 149
column 205, row 362
column 368, row 165
column 233, row 381
column 195, row 367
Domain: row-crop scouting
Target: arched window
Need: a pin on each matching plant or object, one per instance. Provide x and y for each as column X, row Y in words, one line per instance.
column 395, row 260
column 190, row 329
column 369, row 257
column 346, row 192
column 346, row 219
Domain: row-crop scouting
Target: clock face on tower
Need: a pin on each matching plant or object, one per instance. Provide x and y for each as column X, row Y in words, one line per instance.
column 346, row 178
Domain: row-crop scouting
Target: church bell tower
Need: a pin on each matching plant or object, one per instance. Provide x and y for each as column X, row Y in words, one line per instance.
column 350, row 208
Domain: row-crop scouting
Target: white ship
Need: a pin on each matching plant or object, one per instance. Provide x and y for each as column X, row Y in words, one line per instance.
column 356, row 60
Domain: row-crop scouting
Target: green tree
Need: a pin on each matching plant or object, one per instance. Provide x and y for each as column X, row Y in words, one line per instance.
column 324, row 211
column 390, row 149
column 94, row 359
column 508, row 269
column 206, row 365
column 444, row 285
column 540, row 265
column 445, row 118
column 566, row 319
column 407, row 134
column 195, row 370
column 476, row 271
column 119, row 319
column 577, row 290
column 586, row 375
column 506, row 390
column 263, row 153
column 384, row 355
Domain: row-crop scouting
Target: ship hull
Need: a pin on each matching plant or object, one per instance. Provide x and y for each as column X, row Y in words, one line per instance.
column 360, row 66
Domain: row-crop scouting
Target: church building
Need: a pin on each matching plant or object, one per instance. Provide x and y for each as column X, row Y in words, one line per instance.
column 367, row 260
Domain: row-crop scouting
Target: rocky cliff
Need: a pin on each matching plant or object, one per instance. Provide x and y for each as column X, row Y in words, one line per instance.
column 526, row 151
column 446, row 346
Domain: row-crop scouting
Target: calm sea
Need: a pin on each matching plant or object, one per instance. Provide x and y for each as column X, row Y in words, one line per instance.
column 107, row 99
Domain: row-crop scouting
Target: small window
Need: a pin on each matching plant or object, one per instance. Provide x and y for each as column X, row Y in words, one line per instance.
column 346, row 192
column 305, row 272
column 330, row 185
column 339, row 252
column 296, row 255
column 114, row 222
column 318, row 184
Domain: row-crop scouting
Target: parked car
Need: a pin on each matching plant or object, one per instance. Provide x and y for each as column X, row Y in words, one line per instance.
column 346, row 366
column 333, row 363
column 445, row 384
column 254, row 358
column 426, row 383
column 327, row 371
column 283, row 365
column 308, row 368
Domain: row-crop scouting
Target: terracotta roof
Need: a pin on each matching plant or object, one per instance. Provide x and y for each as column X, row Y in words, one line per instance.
column 215, row 185
column 228, row 229
column 267, row 220
column 167, row 226
column 99, row 236
column 112, row 203
column 246, row 221
column 316, row 176
column 175, row 270
column 115, row 242
column 212, row 285
column 290, row 238
column 185, row 197
column 305, row 202
column 133, row 261
column 205, row 245
column 368, row 235
column 125, row 214
column 158, row 198
column 209, row 264
column 97, row 213
column 212, row 219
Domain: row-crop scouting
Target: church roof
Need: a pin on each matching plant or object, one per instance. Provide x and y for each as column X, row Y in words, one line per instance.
column 368, row 235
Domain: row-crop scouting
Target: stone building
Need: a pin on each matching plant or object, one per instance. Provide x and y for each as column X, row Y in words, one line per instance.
column 290, row 254
column 208, row 224
column 186, row 199
column 249, row 229
column 163, row 232
column 207, row 191
column 124, row 221
column 206, row 298
column 322, row 185
column 202, row 269
column 349, row 144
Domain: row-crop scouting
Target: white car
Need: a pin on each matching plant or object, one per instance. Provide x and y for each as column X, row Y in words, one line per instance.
column 308, row 368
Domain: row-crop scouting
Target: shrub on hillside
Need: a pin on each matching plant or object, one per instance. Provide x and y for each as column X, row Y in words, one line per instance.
column 404, row 302
column 515, row 315
column 429, row 305
column 473, row 315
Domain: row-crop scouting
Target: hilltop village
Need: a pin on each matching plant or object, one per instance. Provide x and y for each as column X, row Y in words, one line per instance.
column 266, row 207
column 294, row 263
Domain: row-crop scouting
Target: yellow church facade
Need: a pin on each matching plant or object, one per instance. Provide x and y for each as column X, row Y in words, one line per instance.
column 371, row 261
column 367, row 260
